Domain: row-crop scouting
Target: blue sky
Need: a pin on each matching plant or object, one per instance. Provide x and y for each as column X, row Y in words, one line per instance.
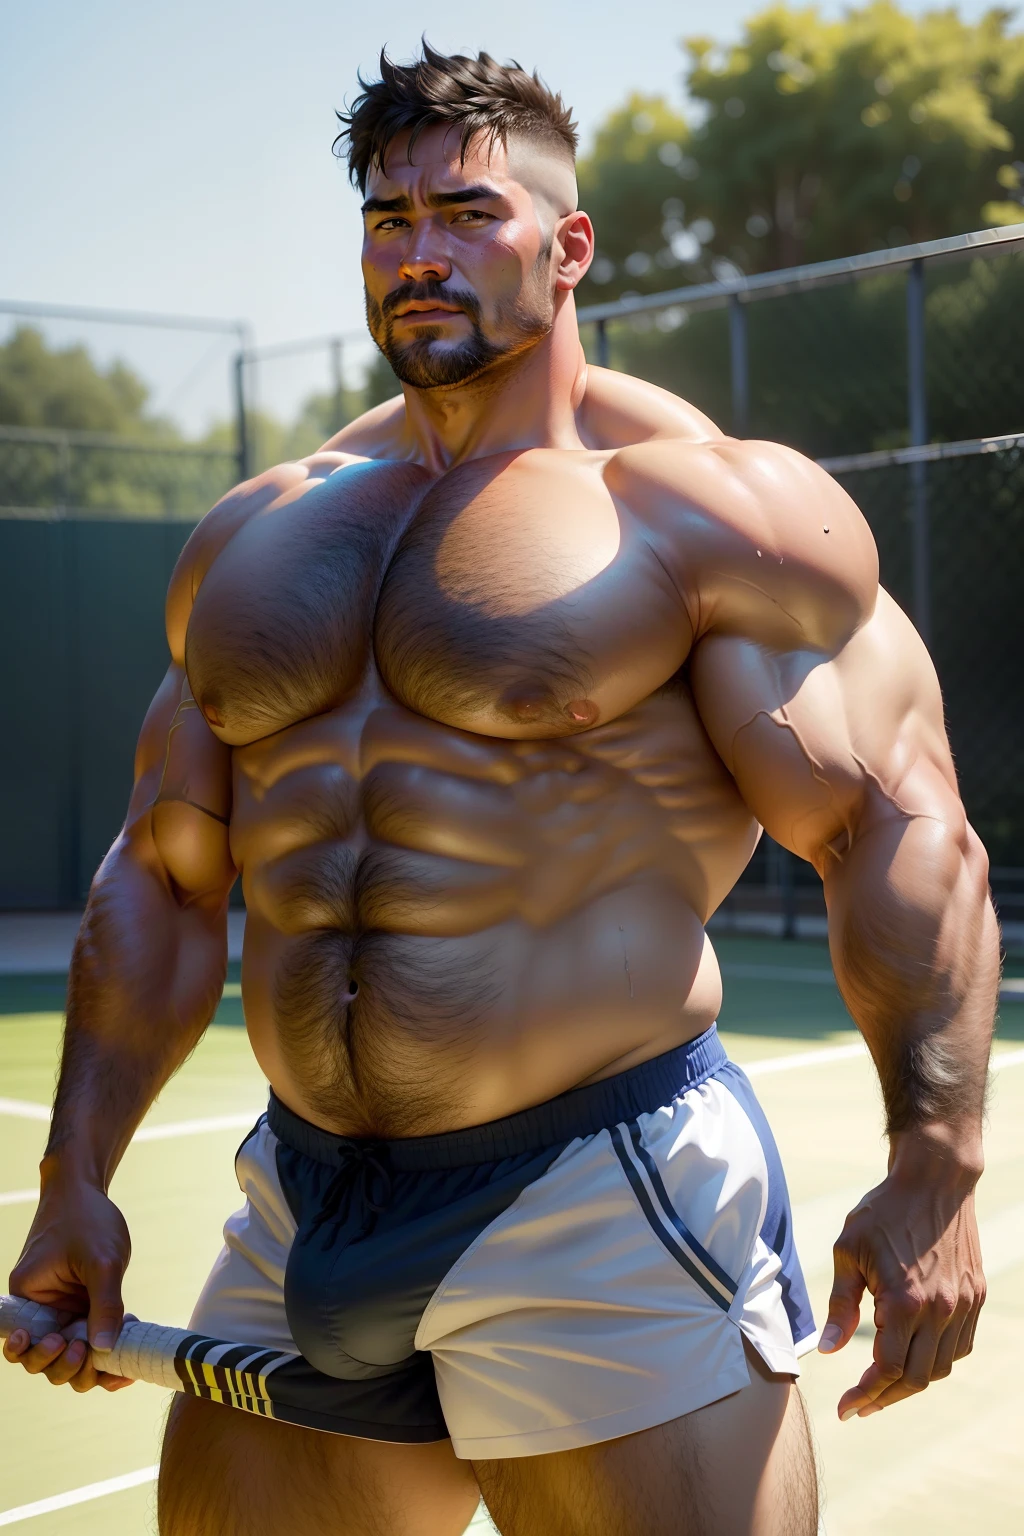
column 177, row 157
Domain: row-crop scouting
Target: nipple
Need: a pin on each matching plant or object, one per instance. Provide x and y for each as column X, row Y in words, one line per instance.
column 526, row 706
column 582, row 711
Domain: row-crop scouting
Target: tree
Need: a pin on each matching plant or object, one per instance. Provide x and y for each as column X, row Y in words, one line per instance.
column 633, row 185
column 811, row 139
column 64, row 387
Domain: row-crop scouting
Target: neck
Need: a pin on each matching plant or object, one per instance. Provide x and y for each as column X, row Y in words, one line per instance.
column 525, row 401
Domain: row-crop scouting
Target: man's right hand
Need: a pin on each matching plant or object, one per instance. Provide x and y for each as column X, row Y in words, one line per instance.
column 74, row 1259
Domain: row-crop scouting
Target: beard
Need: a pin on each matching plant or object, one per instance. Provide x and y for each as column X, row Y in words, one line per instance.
column 422, row 364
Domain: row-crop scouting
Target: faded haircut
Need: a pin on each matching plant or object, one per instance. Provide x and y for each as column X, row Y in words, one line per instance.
column 473, row 95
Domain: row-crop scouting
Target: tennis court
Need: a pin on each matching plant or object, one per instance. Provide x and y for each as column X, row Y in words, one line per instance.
column 948, row 1462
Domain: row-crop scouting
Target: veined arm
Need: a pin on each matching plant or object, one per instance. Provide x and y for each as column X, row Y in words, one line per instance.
column 823, row 703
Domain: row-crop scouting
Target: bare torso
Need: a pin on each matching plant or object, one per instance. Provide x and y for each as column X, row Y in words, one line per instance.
column 486, row 701
column 479, row 823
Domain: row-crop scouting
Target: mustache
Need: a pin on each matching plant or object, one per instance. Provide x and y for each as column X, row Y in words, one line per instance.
column 430, row 289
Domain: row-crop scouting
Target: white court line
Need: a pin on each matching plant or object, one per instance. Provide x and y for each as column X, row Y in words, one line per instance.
column 195, row 1127
column 819, row 1058
column 18, row 1196
column 815, row 1221
column 24, row 1110
column 769, row 1065
column 1011, row 988
column 78, row 1495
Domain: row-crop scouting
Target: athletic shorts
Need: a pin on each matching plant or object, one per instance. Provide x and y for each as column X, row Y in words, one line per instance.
column 582, row 1270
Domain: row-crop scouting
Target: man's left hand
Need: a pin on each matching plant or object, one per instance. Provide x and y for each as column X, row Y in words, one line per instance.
column 913, row 1243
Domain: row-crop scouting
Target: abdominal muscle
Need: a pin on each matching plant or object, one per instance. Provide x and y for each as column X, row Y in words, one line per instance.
column 605, row 992
column 413, row 974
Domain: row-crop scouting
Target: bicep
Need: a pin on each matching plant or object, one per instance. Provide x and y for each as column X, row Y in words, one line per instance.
column 821, row 745
column 180, row 810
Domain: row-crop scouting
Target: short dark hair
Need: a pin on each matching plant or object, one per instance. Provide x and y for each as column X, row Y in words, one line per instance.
column 475, row 95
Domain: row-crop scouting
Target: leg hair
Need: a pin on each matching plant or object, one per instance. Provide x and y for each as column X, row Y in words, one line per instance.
column 228, row 1473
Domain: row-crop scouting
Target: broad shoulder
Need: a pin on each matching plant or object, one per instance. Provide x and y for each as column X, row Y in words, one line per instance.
column 614, row 410
column 263, row 493
column 760, row 536
column 618, row 410
column 376, row 434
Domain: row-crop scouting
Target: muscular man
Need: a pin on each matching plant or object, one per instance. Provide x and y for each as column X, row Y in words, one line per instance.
column 487, row 702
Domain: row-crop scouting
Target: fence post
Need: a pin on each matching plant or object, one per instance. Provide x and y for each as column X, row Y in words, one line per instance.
column 917, row 414
column 64, row 473
column 242, row 445
column 739, row 365
column 602, row 344
column 337, row 378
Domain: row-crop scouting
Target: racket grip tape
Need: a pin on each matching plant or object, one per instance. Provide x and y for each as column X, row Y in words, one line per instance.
column 142, row 1351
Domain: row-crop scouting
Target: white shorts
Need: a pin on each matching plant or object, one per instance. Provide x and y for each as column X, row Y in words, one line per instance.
column 581, row 1271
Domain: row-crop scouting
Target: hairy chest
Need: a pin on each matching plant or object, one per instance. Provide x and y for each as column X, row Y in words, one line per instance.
column 513, row 597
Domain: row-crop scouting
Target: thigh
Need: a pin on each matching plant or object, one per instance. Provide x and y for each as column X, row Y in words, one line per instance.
column 743, row 1466
column 229, row 1473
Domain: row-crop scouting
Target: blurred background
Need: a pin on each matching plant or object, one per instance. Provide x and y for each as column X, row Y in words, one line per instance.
column 810, row 222
column 180, row 305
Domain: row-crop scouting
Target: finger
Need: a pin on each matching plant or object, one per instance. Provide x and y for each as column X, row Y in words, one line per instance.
column 67, row 1364
column 896, row 1319
column 917, row 1370
column 949, row 1348
column 106, row 1309
column 932, row 1346
column 89, row 1377
column 844, row 1302
column 39, row 1356
column 966, row 1343
column 16, row 1344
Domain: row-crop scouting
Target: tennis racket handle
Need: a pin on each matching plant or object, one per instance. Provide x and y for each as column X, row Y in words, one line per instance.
column 143, row 1351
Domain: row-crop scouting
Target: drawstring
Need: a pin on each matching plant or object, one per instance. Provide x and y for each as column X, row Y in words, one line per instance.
column 363, row 1174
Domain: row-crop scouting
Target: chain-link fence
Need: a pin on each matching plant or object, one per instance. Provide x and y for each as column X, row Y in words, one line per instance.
column 854, row 358
column 974, row 498
column 973, row 495
column 858, row 358
column 52, row 473
column 298, row 394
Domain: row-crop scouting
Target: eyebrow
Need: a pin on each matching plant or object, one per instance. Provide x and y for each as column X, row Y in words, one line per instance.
column 403, row 204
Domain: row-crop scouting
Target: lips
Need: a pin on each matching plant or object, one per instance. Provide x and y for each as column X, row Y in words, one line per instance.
column 425, row 312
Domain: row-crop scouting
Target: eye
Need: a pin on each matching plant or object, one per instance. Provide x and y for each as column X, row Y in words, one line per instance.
column 471, row 216
column 392, row 223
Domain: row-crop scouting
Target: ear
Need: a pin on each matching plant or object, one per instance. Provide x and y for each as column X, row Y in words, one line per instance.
column 576, row 241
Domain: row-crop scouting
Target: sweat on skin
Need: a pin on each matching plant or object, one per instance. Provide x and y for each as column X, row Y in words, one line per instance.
column 494, row 695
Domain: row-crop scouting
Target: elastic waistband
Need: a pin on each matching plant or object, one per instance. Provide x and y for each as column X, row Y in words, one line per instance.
column 580, row 1112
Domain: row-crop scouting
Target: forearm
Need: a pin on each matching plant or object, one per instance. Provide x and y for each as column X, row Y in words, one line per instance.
column 916, row 953
column 146, row 975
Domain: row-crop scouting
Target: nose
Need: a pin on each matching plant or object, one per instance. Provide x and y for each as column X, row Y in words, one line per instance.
column 423, row 257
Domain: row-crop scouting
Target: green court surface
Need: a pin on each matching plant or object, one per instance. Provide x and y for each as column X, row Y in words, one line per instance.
column 948, row 1461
